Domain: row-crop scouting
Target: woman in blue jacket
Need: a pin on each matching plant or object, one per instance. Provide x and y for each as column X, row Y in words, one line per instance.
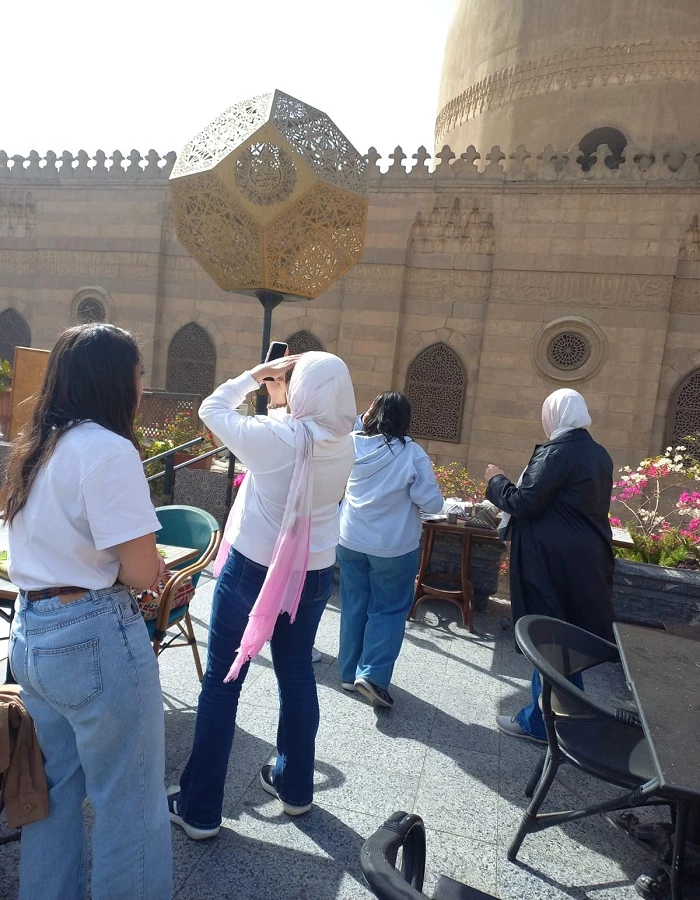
column 392, row 480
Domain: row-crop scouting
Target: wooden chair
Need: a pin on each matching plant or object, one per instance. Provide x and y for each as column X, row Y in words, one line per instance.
column 183, row 526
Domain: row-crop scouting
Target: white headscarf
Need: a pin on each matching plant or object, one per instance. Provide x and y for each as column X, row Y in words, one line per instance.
column 321, row 403
column 321, row 395
column 563, row 411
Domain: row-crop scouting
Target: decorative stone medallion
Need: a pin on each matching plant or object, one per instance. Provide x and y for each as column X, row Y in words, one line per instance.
column 568, row 349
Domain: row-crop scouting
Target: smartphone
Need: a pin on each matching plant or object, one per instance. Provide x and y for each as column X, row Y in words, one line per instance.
column 276, row 351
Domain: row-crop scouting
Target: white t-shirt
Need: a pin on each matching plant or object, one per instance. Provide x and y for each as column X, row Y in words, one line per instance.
column 89, row 497
column 266, row 447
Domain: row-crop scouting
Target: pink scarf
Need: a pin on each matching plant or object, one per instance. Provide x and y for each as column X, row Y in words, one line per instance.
column 322, row 407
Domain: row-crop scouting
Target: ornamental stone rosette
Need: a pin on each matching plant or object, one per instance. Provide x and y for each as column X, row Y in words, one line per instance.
column 271, row 196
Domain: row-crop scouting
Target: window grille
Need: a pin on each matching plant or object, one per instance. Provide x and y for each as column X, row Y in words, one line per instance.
column 435, row 385
column 191, row 365
column 302, row 342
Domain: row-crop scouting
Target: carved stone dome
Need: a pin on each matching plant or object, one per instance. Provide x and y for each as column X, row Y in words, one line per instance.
column 536, row 72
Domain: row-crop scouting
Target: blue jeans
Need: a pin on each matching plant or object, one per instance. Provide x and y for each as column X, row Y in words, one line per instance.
column 376, row 594
column 530, row 717
column 202, row 782
column 89, row 679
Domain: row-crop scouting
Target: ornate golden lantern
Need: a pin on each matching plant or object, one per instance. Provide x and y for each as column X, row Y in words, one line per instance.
column 271, row 196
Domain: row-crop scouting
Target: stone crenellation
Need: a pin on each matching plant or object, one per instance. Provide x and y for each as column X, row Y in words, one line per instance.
column 82, row 165
column 667, row 163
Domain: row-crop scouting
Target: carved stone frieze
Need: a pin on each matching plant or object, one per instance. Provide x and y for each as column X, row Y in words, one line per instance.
column 373, row 278
column 447, row 284
column 685, row 297
column 77, row 262
column 184, row 269
column 17, row 214
column 582, row 288
column 578, row 67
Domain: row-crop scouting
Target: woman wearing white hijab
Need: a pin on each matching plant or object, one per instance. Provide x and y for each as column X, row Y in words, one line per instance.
column 277, row 578
column 561, row 560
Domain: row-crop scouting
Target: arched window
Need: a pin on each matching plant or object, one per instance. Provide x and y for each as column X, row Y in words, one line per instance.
column 303, row 341
column 14, row 332
column 191, row 362
column 90, row 309
column 435, row 385
column 588, row 145
column 683, row 422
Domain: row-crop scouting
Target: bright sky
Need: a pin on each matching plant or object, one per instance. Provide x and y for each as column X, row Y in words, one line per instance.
column 140, row 74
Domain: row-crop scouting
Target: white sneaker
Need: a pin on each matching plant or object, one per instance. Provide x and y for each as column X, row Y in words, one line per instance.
column 197, row 834
column 316, row 655
column 508, row 725
column 348, row 686
column 267, row 784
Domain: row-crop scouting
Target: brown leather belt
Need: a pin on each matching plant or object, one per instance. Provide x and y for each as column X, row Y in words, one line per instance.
column 67, row 593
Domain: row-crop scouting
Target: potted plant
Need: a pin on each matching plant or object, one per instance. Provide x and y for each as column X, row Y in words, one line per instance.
column 456, row 482
column 5, row 397
column 657, row 580
column 181, row 428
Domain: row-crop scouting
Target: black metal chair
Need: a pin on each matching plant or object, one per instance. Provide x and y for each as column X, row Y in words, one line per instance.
column 405, row 833
column 593, row 735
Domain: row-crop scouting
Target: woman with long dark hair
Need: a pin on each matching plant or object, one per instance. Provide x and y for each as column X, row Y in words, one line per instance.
column 81, row 527
column 380, row 528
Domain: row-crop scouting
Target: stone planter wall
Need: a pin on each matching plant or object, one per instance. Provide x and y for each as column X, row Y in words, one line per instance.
column 652, row 595
column 503, row 590
column 485, row 564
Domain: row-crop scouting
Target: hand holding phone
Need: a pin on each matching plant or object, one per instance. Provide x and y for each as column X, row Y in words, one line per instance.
column 276, row 350
column 275, row 370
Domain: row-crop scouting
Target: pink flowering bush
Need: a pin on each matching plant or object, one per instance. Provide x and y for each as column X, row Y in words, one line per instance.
column 455, row 481
column 660, row 506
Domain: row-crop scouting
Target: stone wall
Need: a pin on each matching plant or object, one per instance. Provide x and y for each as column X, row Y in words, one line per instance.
column 491, row 257
column 4, row 457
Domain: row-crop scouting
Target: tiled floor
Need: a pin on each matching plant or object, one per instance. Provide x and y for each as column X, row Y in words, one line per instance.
column 436, row 753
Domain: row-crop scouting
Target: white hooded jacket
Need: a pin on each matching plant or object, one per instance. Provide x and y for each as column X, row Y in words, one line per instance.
column 388, row 487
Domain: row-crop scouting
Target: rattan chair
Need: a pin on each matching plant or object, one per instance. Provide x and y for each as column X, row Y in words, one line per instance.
column 182, row 526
